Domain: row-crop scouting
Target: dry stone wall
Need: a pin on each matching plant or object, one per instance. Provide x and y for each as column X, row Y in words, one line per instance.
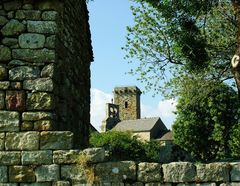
column 45, row 55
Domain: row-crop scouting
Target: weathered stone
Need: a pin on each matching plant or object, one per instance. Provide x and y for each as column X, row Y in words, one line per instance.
column 3, row 13
column 35, row 116
column 50, row 42
column 47, row 71
column 3, row 72
column 2, row 100
column 61, row 183
column 116, row 171
column 179, row 172
column 11, row 42
column 17, row 63
column 4, row 85
column 235, row 172
column 16, row 85
column 42, row 27
column 21, row 174
column 47, row 173
column 11, row 14
column 149, row 172
column 24, row 73
column 66, row 156
column 5, row 53
column 2, row 140
column 43, row 125
column 40, row 84
column 26, row 126
column 95, row 155
column 34, row 56
column 36, row 184
column 28, row 14
column 8, row 184
column 27, row 7
column 49, row 15
column 229, row 184
column 15, row 100
column 12, row 5
column 9, row 121
column 73, row 172
column 213, row 172
column 4, row 174
column 3, row 20
column 12, row 28
column 10, row 158
column 40, row 101
column 30, row 40
column 22, row 141
column 37, row 157
column 56, row 140
column 138, row 184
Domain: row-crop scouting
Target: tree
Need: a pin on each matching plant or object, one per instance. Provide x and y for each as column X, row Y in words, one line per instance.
column 181, row 37
column 207, row 112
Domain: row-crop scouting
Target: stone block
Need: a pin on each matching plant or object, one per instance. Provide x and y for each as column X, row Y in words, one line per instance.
column 2, row 100
column 56, row 140
column 49, row 15
column 95, row 155
column 40, row 84
column 34, row 55
column 235, row 172
column 16, row 85
column 8, row 184
column 35, row 116
column 31, row 40
column 3, row 20
column 40, row 101
column 213, row 172
column 22, row 141
column 179, row 172
column 47, row 71
column 229, row 184
column 116, row 171
column 4, row 85
column 27, row 6
column 9, row 121
column 46, row 173
column 12, row 5
column 2, row 140
column 160, row 184
column 65, row 156
column 50, row 42
column 37, row 157
column 15, row 100
column 3, row 72
column 13, row 28
column 136, row 184
column 42, row 27
column 18, row 174
column 10, row 42
column 73, row 173
column 24, row 73
column 5, row 53
column 26, row 126
column 43, row 125
column 149, row 172
column 28, row 14
column 3, row 174
column 36, row 184
column 10, row 158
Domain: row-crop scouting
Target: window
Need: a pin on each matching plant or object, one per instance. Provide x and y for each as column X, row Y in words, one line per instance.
column 126, row 104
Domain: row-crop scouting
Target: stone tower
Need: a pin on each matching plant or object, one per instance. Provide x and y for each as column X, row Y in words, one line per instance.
column 45, row 57
column 128, row 99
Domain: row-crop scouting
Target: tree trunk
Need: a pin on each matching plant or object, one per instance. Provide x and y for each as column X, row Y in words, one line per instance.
column 236, row 57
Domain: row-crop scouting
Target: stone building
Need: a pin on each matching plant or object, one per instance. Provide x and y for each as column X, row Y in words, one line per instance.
column 45, row 57
column 124, row 115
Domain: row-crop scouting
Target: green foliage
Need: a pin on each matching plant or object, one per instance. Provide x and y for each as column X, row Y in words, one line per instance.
column 174, row 38
column 125, row 146
column 206, row 113
column 235, row 141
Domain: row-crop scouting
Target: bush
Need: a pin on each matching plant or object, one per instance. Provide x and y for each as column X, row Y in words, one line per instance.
column 206, row 114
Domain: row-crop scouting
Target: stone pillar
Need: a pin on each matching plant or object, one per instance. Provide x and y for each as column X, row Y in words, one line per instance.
column 45, row 55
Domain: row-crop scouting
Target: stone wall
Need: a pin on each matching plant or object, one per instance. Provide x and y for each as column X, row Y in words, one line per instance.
column 51, row 166
column 45, row 55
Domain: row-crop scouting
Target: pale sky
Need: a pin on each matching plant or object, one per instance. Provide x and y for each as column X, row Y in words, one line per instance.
column 108, row 21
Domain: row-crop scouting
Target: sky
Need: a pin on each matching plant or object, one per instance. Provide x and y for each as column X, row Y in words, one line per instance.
column 108, row 21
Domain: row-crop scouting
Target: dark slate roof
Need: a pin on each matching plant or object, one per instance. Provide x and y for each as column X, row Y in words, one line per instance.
column 167, row 137
column 138, row 125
